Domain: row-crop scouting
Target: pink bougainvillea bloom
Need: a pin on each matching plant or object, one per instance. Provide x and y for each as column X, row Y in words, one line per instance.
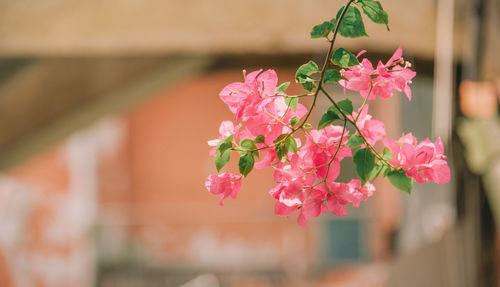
column 314, row 205
column 430, row 161
column 254, row 102
column 372, row 130
column 296, row 188
column 262, row 83
column 322, row 145
column 226, row 129
column 423, row 161
column 342, row 194
column 239, row 97
column 364, row 79
column 291, row 179
column 272, row 117
column 244, row 98
column 226, row 184
column 359, row 78
column 289, row 193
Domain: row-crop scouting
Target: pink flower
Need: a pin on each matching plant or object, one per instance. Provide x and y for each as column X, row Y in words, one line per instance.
column 262, row 83
column 226, row 184
column 289, row 193
column 244, row 98
column 300, row 188
column 313, row 206
column 423, row 161
column 292, row 181
column 254, row 102
column 272, row 117
column 372, row 130
column 359, row 78
column 226, row 129
column 322, row 145
column 382, row 80
column 342, row 194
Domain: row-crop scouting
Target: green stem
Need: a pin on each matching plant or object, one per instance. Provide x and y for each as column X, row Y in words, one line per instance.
column 323, row 69
column 380, row 157
column 363, row 104
column 336, row 151
column 320, row 83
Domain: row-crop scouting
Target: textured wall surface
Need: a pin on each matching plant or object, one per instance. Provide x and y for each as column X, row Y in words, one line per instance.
column 55, row 27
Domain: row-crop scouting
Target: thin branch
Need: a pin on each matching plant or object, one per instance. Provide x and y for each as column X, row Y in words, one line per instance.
column 380, row 157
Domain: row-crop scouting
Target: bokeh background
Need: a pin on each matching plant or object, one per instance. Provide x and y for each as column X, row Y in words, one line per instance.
column 106, row 107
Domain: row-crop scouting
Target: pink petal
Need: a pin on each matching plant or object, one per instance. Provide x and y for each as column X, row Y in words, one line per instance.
column 360, row 53
column 284, row 210
column 441, row 171
column 397, row 55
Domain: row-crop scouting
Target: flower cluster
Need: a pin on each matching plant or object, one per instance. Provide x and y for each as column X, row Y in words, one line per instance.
column 422, row 161
column 370, row 82
column 272, row 126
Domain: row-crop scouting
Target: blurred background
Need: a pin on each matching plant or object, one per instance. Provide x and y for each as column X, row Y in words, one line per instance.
column 106, row 107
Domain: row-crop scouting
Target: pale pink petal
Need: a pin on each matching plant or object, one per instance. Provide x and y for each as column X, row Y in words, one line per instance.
column 397, row 55
column 301, row 220
column 441, row 171
column 407, row 92
column 360, row 53
column 284, row 210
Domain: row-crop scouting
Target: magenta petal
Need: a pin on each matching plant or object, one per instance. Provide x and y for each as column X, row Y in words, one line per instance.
column 301, row 220
column 441, row 170
column 312, row 208
column 407, row 92
column 360, row 53
column 335, row 207
column 284, row 210
column 397, row 55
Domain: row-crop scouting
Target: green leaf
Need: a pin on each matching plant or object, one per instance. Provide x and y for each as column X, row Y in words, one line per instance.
column 323, row 29
column 281, row 151
column 379, row 169
column 346, row 106
column 309, row 86
column 294, row 120
column 222, row 158
column 291, row 144
column 332, row 76
column 328, row 118
column 352, row 24
column 333, row 109
column 246, row 164
column 344, row 58
column 292, row 102
column 280, row 138
column 303, row 75
column 225, row 144
column 387, row 154
column 364, row 160
column 374, row 11
column 399, row 179
column 307, row 126
column 305, row 71
column 355, row 141
column 248, row 144
column 260, row 139
column 282, row 88
column 223, row 152
column 227, row 141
